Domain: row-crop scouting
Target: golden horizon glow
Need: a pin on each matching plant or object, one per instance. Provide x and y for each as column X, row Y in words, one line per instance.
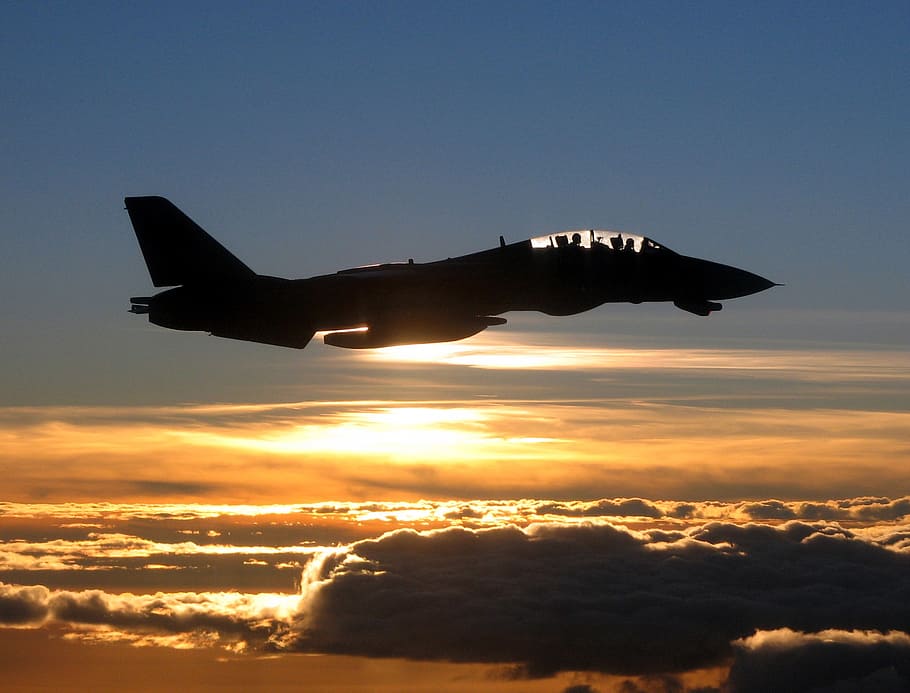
column 633, row 428
column 401, row 433
column 635, row 448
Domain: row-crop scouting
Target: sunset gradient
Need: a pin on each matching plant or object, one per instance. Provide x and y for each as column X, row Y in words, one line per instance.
column 633, row 499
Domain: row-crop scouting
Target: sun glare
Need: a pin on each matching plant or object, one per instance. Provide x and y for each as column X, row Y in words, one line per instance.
column 410, row 434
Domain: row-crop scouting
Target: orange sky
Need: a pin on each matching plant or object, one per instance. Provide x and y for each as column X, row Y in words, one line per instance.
column 670, row 423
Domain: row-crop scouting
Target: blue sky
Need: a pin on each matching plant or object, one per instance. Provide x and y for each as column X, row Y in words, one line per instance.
column 311, row 137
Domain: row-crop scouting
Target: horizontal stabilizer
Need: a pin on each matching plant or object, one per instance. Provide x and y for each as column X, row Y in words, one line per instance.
column 176, row 249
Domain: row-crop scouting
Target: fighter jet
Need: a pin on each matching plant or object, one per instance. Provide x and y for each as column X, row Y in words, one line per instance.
column 411, row 302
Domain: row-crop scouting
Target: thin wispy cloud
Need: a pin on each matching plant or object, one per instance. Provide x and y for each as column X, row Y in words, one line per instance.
column 105, row 551
column 524, row 351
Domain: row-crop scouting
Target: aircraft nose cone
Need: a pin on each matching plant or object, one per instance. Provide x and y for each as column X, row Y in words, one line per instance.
column 719, row 281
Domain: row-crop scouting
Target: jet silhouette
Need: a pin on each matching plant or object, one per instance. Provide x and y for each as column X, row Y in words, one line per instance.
column 412, row 303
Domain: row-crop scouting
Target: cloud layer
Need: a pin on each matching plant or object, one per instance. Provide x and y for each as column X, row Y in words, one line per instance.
column 560, row 588
column 173, row 619
column 601, row 597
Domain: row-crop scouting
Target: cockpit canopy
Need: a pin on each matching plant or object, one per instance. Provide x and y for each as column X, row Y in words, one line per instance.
column 597, row 238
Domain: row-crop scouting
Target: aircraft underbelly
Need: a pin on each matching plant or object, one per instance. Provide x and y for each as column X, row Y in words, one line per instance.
column 337, row 304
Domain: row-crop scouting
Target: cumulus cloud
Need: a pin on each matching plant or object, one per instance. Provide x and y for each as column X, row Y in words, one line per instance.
column 864, row 509
column 22, row 605
column 226, row 616
column 595, row 596
column 830, row 660
column 617, row 507
column 572, row 595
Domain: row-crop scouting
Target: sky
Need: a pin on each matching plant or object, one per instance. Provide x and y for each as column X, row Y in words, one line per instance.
column 631, row 499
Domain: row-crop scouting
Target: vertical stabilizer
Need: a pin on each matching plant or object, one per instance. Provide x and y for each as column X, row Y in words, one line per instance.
column 176, row 249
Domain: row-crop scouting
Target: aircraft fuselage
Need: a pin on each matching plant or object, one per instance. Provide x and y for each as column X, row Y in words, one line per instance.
column 445, row 300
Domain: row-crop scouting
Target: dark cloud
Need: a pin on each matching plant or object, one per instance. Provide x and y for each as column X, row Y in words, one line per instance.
column 682, row 511
column 830, row 661
column 654, row 684
column 465, row 512
column 595, row 596
column 574, row 595
column 769, row 510
column 863, row 509
column 619, row 507
column 884, row 509
column 22, row 605
column 859, row 510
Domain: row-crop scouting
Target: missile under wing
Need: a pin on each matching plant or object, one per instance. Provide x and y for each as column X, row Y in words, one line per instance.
column 209, row 289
